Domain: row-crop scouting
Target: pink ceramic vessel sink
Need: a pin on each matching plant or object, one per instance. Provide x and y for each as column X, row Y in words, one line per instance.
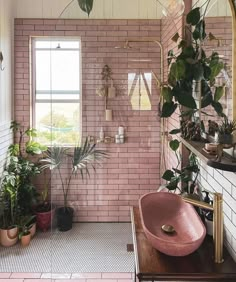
column 163, row 208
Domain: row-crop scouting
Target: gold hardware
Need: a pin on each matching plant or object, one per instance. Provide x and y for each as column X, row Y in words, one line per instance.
column 107, row 139
column 217, row 209
column 169, row 229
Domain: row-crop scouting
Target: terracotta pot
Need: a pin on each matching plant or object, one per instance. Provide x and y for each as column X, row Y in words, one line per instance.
column 8, row 237
column 44, row 219
column 32, row 230
column 25, row 240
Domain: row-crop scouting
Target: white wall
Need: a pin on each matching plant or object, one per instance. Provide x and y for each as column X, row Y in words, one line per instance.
column 6, row 43
column 115, row 9
column 223, row 182
column 216, row 8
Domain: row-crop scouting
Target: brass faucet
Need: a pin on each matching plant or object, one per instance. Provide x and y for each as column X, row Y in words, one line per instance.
column 217, row 209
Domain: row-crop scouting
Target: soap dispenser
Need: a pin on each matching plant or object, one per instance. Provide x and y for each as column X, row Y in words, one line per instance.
column 206, row 199
column 101, row 135
column 209, row 221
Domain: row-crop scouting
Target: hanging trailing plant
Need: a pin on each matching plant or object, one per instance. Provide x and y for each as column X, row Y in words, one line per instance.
column 180, row 178
column 192, row 64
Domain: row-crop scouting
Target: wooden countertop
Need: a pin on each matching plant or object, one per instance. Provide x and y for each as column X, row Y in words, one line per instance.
column 152, row 265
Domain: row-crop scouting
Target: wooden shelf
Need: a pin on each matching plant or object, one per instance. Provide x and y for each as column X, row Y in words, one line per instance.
column 227, row 163
column 152, row 265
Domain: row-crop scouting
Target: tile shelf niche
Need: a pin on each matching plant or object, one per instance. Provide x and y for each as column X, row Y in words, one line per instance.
column 196, row 147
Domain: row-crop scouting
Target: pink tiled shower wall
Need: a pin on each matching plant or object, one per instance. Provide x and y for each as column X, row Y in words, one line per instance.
column 133, row 167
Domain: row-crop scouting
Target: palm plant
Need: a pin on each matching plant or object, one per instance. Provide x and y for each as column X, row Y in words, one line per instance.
column 84, row 155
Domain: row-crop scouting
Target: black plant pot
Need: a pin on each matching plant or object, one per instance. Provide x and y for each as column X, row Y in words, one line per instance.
column 64, row 218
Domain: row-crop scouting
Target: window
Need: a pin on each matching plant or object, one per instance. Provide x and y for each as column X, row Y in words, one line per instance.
column 57, row 90
column 139, row 90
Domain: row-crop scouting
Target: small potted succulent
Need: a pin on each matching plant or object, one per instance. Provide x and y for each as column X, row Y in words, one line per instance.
column 225, row 131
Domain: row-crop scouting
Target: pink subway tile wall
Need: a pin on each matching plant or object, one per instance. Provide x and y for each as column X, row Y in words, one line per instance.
column 133, row 167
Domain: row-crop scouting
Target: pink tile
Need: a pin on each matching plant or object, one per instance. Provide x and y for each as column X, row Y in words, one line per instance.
column 101, row 280
column 69, row 280
column 117, row 175
column 87, row 275
column 118, row 275
column 13, row 280
column 4, row 275
column 35, row 280
column 25, row 275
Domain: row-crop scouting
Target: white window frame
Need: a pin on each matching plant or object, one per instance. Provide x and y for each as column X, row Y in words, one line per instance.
column 33, row 77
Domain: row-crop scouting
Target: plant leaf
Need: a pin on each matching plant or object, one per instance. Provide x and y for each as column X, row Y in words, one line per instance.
column 199, row 32
column 168, row 109
column 186, row 100
column 175, row 131
column 207, row 72
column 182, row 44
column 174, row 144
column 219, row 93
column 166, row 93
column 215, row 70
column 218, row 108
column 172, row 185
column 175, row 37
column 193, row 17
column 177, row 69
column 168, row 174
column 86, row 5
column 206, row 100
column 212, row 36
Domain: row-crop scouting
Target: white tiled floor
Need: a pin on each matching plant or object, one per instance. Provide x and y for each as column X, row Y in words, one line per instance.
column 88, row 247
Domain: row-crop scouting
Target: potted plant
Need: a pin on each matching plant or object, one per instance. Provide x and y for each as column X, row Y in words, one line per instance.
column 25, row 225
column 224, row 134
column 8, row 207
column 190, row 69
column 17, row 192
column 83, row 156
column 45, row 210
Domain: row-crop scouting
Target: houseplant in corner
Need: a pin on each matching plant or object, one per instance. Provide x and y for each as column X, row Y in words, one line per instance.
column 17, row 192
column 45, row 210
column 83, row 156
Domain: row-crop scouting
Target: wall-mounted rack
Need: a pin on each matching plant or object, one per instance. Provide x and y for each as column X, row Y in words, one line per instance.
column 227, row 163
